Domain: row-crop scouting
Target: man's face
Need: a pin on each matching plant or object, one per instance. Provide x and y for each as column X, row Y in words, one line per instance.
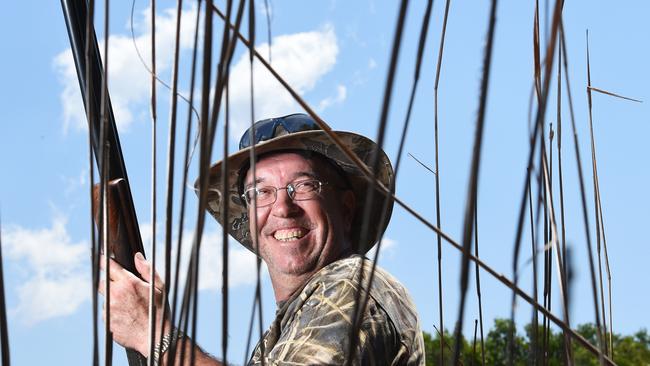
column 300, row 237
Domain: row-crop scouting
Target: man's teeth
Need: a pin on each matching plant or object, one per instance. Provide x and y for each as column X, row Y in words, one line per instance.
column 288, row 235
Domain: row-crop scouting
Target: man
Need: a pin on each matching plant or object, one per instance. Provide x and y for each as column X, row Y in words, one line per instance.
column 306, row 198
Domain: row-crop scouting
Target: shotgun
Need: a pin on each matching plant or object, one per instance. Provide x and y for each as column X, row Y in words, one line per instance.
column 125, row 238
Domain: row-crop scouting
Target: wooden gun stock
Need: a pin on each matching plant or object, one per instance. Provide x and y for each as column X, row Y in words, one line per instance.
column 123, row 233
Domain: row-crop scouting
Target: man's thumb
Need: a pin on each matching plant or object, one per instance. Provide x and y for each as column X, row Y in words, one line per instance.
column 144, row 269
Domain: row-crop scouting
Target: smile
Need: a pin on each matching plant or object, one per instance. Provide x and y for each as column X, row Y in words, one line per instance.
column 289, row 234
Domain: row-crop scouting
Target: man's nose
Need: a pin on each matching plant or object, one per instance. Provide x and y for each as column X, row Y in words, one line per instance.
column 284, row 205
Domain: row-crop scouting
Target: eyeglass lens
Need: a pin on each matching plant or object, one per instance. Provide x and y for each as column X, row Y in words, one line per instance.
column 298, row 192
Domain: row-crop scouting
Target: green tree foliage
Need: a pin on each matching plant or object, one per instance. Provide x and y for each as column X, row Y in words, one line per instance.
column 539, row 346
column 497, row 349
column 469, row 355
column 628, row 350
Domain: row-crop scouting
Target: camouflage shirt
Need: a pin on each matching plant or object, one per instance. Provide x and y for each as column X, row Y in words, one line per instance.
column 312, row 326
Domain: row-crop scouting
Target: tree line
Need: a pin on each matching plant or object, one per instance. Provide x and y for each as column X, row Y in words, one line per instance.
column 544, row 347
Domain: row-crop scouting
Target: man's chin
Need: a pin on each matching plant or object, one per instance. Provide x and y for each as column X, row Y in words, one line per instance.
column 297, row 266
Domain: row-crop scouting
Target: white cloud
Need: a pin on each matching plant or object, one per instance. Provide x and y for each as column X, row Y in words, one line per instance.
column 56, row 269
column 74, row 184
column 242, row 264
column 242, row 268
column 301, row 59
column 388, row 246
column 73, row 113
column 129, row 82
column 372, row 63
column 264, row 10
column 44, row 298
column 329, row 101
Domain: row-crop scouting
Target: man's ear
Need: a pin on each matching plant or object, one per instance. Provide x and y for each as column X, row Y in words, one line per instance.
column 349, row 207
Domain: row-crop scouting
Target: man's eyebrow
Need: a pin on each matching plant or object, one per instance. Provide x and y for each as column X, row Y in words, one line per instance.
column 257, row 181
column 296, row 175
column 309, row 174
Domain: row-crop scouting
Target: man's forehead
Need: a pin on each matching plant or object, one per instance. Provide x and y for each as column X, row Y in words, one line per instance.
column 293, row 165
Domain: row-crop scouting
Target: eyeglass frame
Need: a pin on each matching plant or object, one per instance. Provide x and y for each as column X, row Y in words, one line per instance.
column 291, row 192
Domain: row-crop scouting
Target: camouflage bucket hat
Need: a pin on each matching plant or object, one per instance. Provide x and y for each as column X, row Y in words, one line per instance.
column 300, row 132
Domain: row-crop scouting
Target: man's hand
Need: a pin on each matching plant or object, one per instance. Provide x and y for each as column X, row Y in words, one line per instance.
column 129, row 304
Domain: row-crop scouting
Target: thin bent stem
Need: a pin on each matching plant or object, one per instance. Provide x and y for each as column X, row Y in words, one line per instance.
column 108, row 337
column 154, row 172
column 204, row 163
column 567, row 339
column 4, row 333
column 473, row 181
column 171, row 149
column 253, row 170
column 478, row 284
column 583, row 198
column 534, row 340
column 188, row 133
column 603, row 329
column 94, row 248
column 437, row 178
column 359, row 303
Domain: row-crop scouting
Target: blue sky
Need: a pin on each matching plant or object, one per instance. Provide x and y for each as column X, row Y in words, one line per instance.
column 336, row 55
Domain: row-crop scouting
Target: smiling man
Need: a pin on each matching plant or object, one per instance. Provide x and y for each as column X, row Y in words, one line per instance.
column 303, row 204
column 303, row 216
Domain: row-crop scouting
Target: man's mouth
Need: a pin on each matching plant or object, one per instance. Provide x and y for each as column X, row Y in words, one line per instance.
column 289, row 234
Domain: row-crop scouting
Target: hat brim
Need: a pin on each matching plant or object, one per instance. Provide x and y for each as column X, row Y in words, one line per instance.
column 317, row 141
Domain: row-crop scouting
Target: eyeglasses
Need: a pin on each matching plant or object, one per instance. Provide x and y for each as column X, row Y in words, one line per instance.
column 267, row 195
column 266, row 129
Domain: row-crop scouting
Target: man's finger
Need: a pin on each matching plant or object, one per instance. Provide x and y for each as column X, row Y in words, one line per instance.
column 116, row 271
column 144, row 268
